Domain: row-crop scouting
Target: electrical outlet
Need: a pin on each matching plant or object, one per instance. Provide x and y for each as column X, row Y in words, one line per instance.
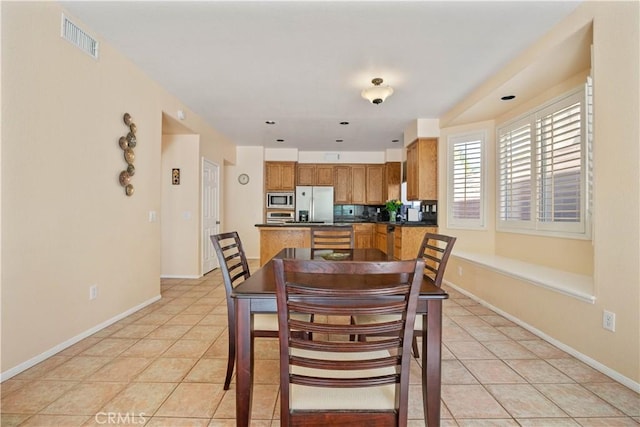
column 609, row 321
column 93, row 292
column 460, row 271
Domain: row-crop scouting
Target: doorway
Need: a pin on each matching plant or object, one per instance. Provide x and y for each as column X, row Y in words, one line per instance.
column 210, row 213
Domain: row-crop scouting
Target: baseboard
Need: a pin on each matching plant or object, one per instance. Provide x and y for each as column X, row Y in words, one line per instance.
column 628, row 382
column 173, row 276
column 71, row 341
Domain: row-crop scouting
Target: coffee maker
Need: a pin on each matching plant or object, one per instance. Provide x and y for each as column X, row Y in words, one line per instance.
column 303, row 216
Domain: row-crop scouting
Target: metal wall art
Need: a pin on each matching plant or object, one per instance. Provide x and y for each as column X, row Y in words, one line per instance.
column 128, row 143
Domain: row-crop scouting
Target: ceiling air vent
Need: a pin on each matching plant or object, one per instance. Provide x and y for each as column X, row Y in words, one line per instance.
column 75, row 35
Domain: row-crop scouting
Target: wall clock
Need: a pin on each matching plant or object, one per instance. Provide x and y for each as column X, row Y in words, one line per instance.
column 243, row 178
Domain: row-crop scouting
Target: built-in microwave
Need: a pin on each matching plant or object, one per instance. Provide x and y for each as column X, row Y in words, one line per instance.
column 280, row 200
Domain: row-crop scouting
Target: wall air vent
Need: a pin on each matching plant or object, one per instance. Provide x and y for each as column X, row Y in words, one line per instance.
column 75, row 35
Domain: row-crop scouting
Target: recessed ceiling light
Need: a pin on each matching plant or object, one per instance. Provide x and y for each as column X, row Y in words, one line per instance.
column 339, row 140
column 280, row 140
column 344, row 123
column 508, row 97
column 270, row 122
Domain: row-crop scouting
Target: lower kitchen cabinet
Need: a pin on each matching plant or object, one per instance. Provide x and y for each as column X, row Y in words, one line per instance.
column 407, row 241
column 363, row 235
column 381, row 237
column 401, row 241
column 274, row 239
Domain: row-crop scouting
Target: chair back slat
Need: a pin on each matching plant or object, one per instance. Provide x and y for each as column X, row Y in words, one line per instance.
column 435, row 251
column 331, row 359
column 232, row 259
column 332, row 237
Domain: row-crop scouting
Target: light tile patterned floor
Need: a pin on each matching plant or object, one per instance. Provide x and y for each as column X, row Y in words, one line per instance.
column 165, row 366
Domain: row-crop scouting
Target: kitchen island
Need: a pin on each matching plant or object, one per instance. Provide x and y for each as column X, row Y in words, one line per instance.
column 401, row 239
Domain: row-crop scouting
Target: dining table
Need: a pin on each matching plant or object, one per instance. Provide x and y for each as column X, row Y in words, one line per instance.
column 257, row 294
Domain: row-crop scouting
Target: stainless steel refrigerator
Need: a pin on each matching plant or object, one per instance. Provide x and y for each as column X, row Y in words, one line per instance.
column 316, row 201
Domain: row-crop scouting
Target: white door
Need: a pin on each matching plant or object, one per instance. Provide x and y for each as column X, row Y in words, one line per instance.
column 210, row 213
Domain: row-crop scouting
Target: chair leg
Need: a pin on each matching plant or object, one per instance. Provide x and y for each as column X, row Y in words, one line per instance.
column 231, row 361
column 414, row 346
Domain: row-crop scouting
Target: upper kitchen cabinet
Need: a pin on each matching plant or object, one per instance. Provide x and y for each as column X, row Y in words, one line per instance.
column 358, row 184
column 314, row 174
column 361, row 184
column 342, row 185
column 375, row 184
column 324, row 175
column 350, row 184
column 393, row 180
column 305, row 174
column 422, row 169
column 280, row 176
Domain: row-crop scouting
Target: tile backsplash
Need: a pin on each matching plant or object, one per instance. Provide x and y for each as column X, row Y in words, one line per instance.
column 356, row 212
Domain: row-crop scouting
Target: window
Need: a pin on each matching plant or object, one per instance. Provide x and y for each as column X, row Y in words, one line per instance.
column 466, row 181
column 544, row 169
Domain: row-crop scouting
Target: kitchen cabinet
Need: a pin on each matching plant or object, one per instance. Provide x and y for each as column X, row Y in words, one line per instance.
column 350, row 184
column 358, row 184
column 280, row 176
column 401, row 241
column 363, row 235
column 362, row 184
column 381, row 237
column 375, row 185
column 305, row 174
column 274, row 239
column 393, row 179
column 342, row 185
column 314, row 174
column 407, row 241
column 324, row 174
column 422, row 169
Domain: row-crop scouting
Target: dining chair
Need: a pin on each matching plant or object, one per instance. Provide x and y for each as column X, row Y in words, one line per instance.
column 235, row 269
column 331, row 380
column 332, row 237
column 435, row 250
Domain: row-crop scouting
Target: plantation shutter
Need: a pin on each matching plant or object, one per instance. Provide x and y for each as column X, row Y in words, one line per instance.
column 466, row 181
column 559, row 164
column 515, row 184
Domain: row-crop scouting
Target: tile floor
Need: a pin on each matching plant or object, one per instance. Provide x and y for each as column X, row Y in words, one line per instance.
column 165, row 366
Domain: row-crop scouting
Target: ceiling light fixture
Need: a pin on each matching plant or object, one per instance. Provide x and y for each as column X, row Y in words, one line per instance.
column 377, row 94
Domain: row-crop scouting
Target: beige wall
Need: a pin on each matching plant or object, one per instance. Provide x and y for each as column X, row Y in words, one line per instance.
column 180, row 207
column 612, row 257
column 244, row 205
column 66, row 223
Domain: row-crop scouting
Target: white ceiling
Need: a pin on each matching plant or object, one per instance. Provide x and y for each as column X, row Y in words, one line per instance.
column 304, row 64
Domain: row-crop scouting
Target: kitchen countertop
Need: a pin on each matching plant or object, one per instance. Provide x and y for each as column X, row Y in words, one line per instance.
column 348, row 223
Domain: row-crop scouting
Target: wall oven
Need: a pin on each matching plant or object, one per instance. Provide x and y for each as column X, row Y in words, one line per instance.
column 280, row 217
column 281, row 200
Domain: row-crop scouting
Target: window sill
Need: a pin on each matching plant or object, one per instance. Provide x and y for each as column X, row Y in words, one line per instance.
column 574, row 285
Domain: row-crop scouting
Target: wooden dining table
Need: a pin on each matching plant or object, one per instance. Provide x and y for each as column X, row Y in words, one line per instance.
column 257, row 294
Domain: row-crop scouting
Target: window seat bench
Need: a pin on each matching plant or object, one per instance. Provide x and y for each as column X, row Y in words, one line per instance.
column 571, row 284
